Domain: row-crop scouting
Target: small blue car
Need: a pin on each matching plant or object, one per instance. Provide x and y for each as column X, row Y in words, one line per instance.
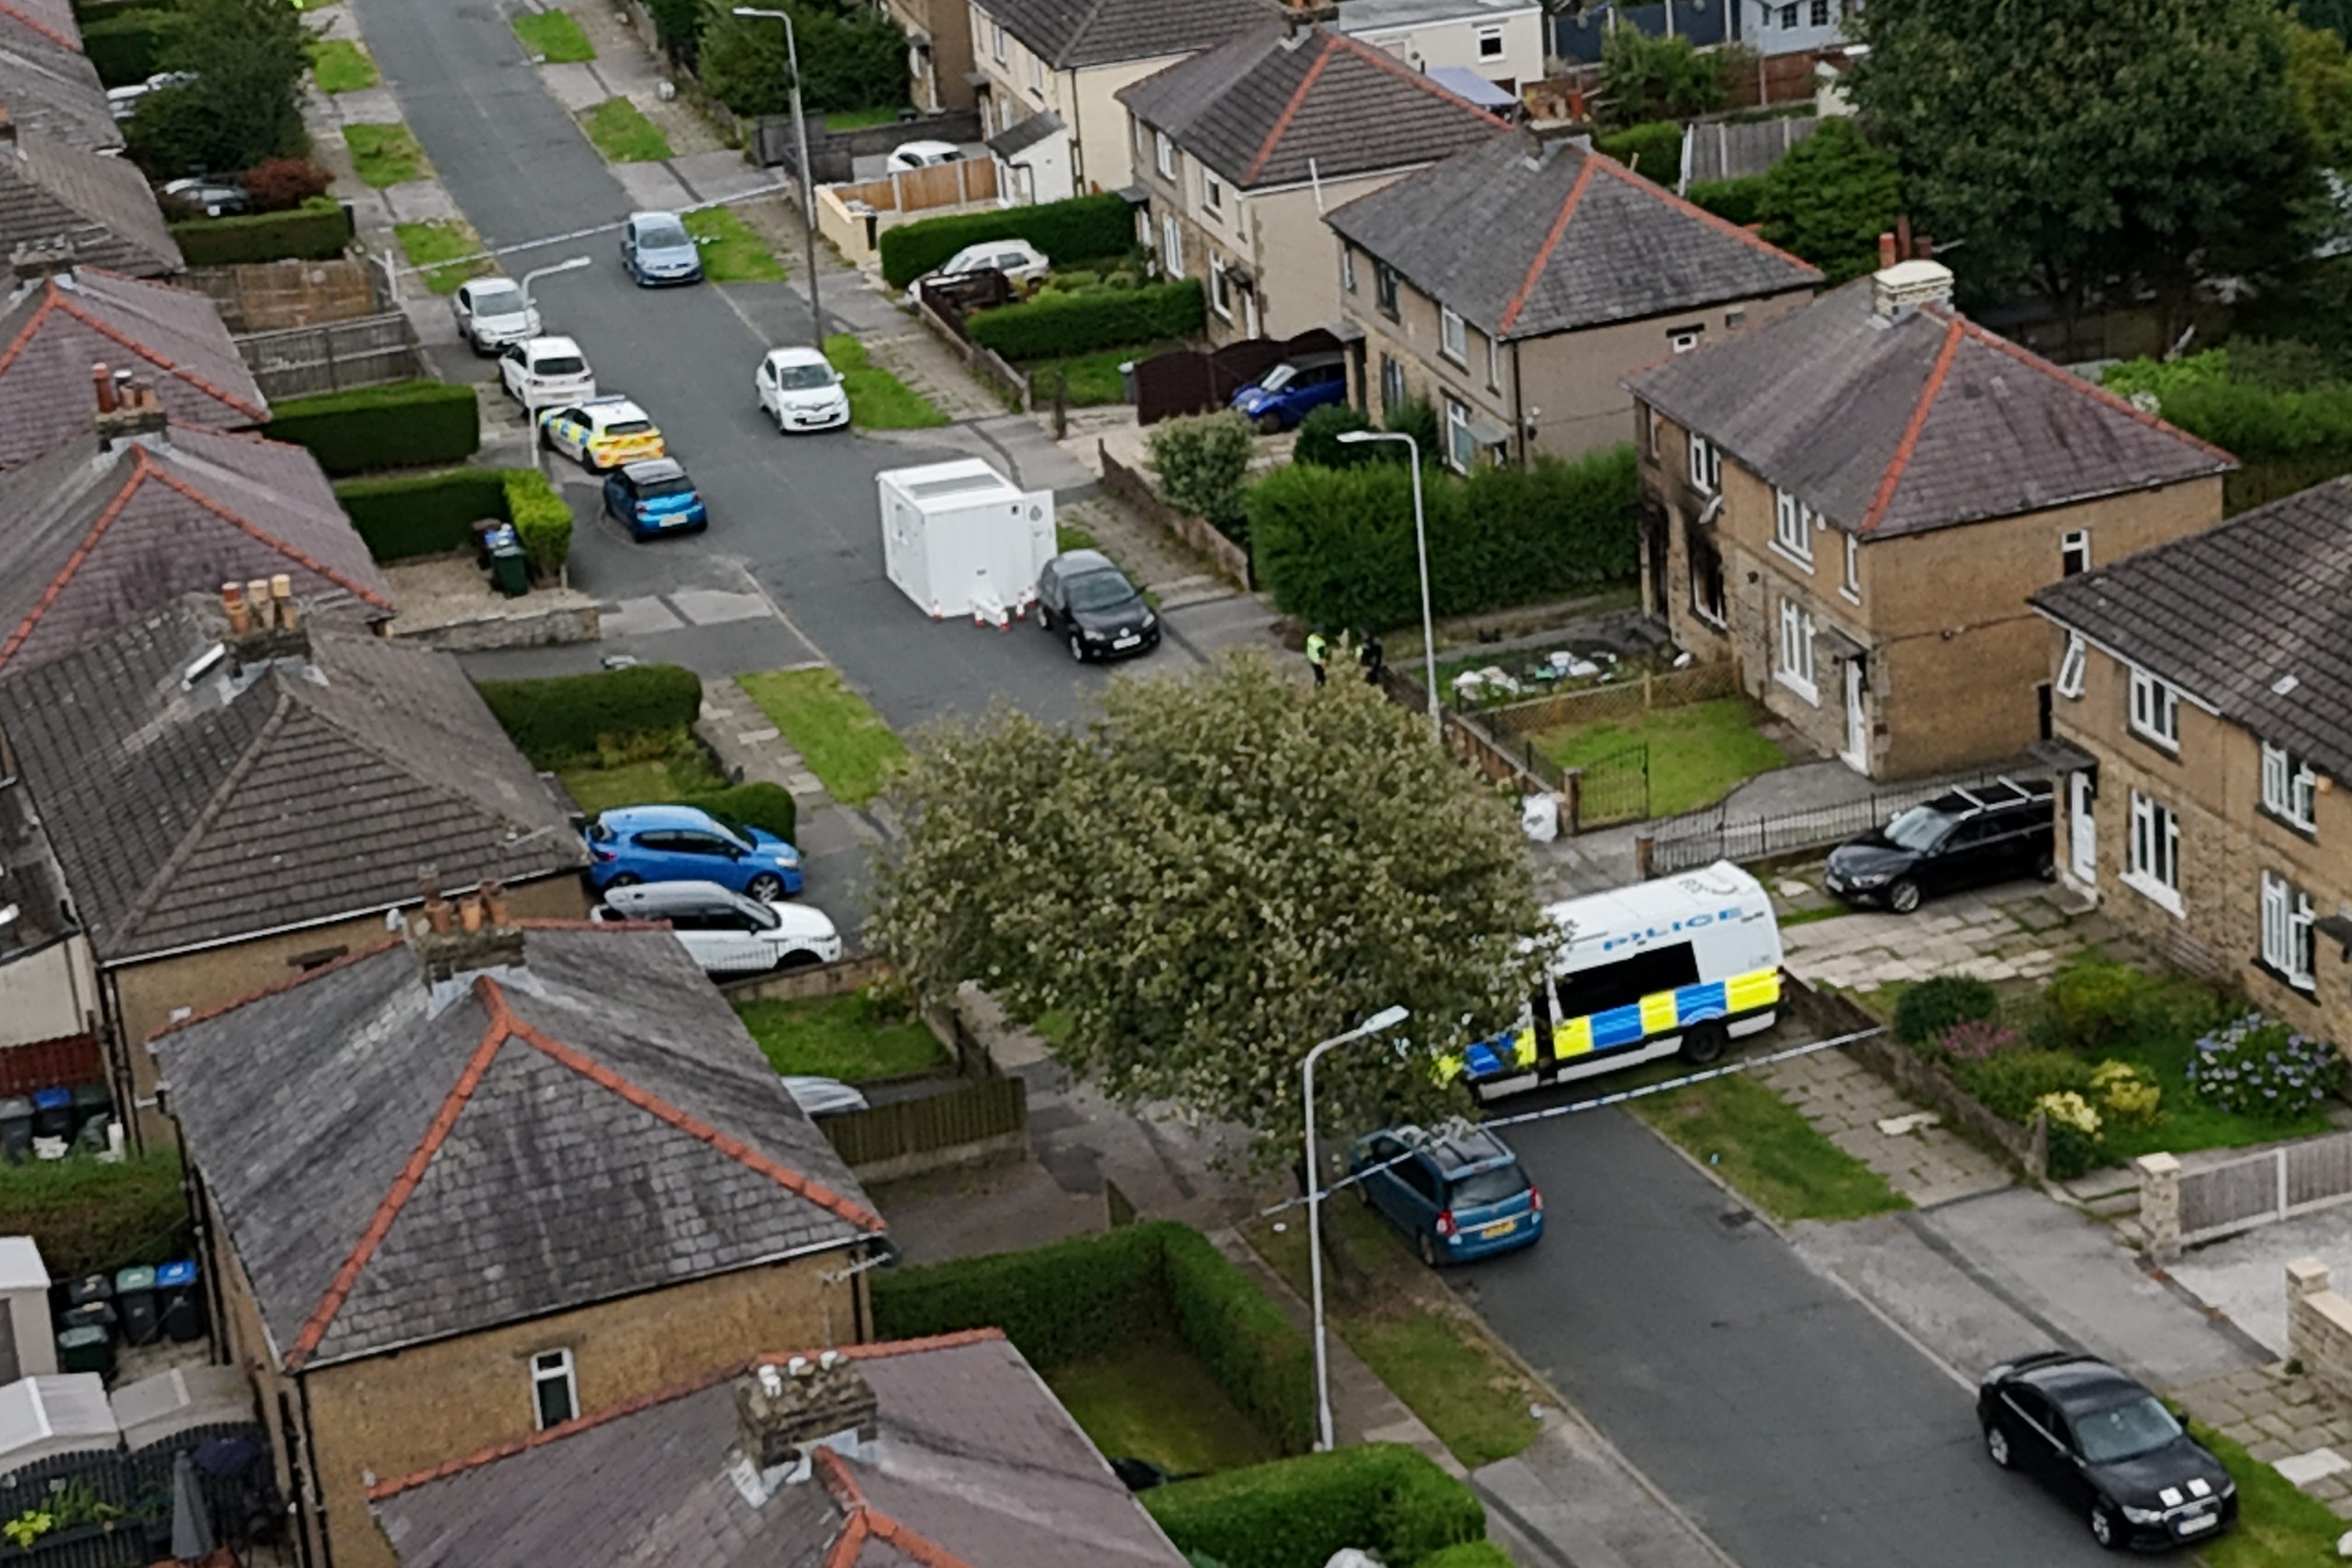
column 656, row 249
column 1286, row 395
column 1457, row 1191
column 634, row 843
column 654, row 498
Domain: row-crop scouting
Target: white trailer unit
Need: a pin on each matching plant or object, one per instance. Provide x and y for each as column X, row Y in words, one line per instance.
column 960, row 537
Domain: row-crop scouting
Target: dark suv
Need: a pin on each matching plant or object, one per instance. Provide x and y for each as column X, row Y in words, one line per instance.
column 1964, row 839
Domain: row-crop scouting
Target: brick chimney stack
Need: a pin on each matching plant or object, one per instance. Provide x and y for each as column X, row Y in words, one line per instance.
column 127, row 409
column 36, row 259
column 264, row 623
column 477, row 933
column 782, row 1412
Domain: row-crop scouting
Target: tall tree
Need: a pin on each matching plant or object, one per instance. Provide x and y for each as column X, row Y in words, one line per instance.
column 1221, row 870
column 243, row 103
column 1829, row 199
column 851, row 58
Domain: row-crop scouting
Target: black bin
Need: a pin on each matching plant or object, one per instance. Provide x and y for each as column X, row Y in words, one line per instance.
column 90, row 1315
column 135, row 1300
column 53, row 1113
column 90, row 1290
column 16, row 1130
column 91, row 1103
column 181, row 1304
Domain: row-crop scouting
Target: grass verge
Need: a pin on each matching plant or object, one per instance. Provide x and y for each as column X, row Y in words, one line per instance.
column 623, row 134
column 2278, row 1524
column 1768, row 1152
column 432, row 245
column 1155, row 1400
column 340, row 65
column 554, row 36
column 1093, row 379
column 840, row 1037
column 731, row 253
column 1698, row 754
column 385, row 155
column 878, row 400
column 842, row 738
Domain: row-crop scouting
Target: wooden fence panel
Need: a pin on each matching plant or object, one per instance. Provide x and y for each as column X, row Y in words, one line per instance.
column 979, row 1112
column 298, row 362
column 1674, row 689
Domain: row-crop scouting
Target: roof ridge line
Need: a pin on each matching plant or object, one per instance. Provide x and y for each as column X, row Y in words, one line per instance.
column 80, row 314
column 214, row 804
column 1421, row 80
column 142, row 469
column 1911, row 428
column 2123, row 405
column 861, row 1519
column 282, row 546
column 1281, row 127
column 1077, row 34
column 32, row 324
column 1672, row 198
column 261, row 992
column 436, row 1133
column 1551, row 242
column 735, row 1149
column 43, row 29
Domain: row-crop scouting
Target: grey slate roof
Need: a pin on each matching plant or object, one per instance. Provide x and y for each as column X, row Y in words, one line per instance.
column 1922, row 421
column 91, row 539
column 1075, row 34
column 51, row 333
column 209, row 811
column 54, row 91
column 1525, row 238
column 591, row 1124
column 1259, row 107
column 51, row 21
column 2232, row 614
column 975, row 1456
column 1025, row 135
column 51, row 190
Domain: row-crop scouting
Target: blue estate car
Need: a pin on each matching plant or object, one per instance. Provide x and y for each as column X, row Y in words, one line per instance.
column 1457, row 1191
column 1286, row 395
column 685, row 844
column 656, row 249
column 654, row 498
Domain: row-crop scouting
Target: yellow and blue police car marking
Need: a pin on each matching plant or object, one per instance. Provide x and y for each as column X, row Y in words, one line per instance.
column 1620, row 1029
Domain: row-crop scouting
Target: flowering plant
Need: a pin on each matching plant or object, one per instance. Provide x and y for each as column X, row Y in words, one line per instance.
column 2257, row 1066
column 1978, row 1038
column 2068, row 1109
column 2129, row 1093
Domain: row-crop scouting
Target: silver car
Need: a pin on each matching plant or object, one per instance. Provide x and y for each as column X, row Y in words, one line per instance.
column 493, row 312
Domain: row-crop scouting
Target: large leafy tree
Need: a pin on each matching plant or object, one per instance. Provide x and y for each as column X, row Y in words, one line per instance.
column 244, row 105
column 1831, row 198
column 851, row 58
column 2070, row 144
column 1646, row 77
column 1219, row 872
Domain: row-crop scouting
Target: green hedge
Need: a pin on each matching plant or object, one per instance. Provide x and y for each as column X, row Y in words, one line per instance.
column 541, row 519
column 125, row 46
column 559, row 720
column 1737, row 201
column 407, row 425
column 88, row 1217
column 1469, row 1554
column 423, row 514
column 2287, row 440
column 1056, row 325
column 1336, row 545
column 760, row 803
column 1084, row 228
column 315, row 231
column 1097, row 1293
column 1652, row 150
column 1385, row 1499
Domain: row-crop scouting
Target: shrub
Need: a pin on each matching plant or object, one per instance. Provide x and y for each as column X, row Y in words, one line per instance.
column 759, row 804
column 541, row 519
column 1318, row 437
column 1653, row 150
column 282, row 184
column 317, row 230
column 851, row 56
column 1734, row 201
column 1202, row 462
column 2257, row 1066
column 2096, row 1003
column 1924, row 1011
column 1831, row 198
column 246, row 61
column 562, row 719
column 1646, row 77
column 89, row 1217
column 1385, row 1499
column 1055, row 326
column 2010, row 1084
column 1974, row 1039
column 2127, row 1092
column 127, row 47
column 423, row 514
column 1416, row 417
column 1083, row 228
column 407, row 425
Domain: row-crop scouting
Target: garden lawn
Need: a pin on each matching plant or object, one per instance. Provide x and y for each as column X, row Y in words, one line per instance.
column 842, row 738
column 428, row 245
column 838, row 1037
column 385, row 155
column 2279, row 1525
column 731, row 253
column 1698, row 752
column 1155, row 1400
column 662, row 781
column 340, row 65
column 1768, row 1152
column 554, row 36
column 623, row 134
column 2183, row 1121
column 1093, row 379
column 878, row 400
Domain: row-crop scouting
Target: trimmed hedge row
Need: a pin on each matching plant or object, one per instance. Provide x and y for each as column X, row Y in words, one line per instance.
column 1382, row 1498
column 1739, row 201
column 89, row 1217
column 1652, row 150
column 126, row 47
column 1099, row 1293
column 760, row 804
column 1058, row 325
column 318, row 231
column 407, row 425
column 1083, row 228
column 541, row 519
column 561, row 719
column 423, row 514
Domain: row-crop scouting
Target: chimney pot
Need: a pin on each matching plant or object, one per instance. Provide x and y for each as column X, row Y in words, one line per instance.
column 233, row 605
column 771, row 1381
column 281, row 593
column 1886, row 256
column 494, row 902
column 798, row 1366
column 780, row 1418
column 469, row 915
column 257, row 599
column 102, row 382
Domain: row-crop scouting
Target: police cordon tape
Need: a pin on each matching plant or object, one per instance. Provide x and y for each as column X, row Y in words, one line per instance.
column 1743, row 1065
column 591, row 232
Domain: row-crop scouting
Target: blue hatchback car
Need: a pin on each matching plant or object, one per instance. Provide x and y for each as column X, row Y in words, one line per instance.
column 1457, row 1191
column 654, row 498
column 1286, row 395
column 637, row 844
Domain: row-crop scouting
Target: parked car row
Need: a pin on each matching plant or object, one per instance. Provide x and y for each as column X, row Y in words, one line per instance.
column 721, row 886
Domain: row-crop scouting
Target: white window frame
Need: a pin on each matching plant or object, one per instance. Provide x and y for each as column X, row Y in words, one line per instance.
column 1172, row 246
column 1649, row 429
column 1792, row 528
column 1490, row 43
column 1387, row 291
column 1792, row 659
column 1453, row 336
column 2071, row 666
column 2152, row 855
column 1494, row 364
column 2155, row 711
column 1821, row 14
column 1461, row 447
column 1220, row 296
column 553, row 1366
column 1682, row 339
column 1852, row 587
column 2290, row 787
column 1348, row 269
column 996, row 41
column 1038, row 75
column 1212, row 192
column 2288, row 921
column 1394, row 391
column 1705, row 464
column 2074, row 552
column 1164, row 155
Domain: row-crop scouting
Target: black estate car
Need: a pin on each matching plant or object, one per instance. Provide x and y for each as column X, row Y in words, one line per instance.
column 1963, row 839
column 1089, row 603
column 2108, row 1446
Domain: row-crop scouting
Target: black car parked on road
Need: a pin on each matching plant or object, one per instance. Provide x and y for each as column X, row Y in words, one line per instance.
column 2108, row 1446
column 1967, row 838
column 1085, row 600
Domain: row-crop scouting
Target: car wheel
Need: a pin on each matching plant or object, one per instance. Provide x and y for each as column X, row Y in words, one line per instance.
column 2104, row 1529
column 798, row 958
column 1997, row 1447
column 1077, row 648
column 546, row 439
column 2045, row 867
column 1904, row 896
column 767, row 887
column 1268, row 423
column 624, row 879
column 1705, row 1043
column 1428, row 1249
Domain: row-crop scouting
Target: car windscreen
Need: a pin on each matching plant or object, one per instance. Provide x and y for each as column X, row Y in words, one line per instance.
column 628, row 426
column 495, row 301
column 1278, row 378
column 1100, row 591
column 679, row 486
column 2123, row 1431
column 1918, row 829
column 1495, row 1186
column 558, row 365
column 663, row 236
column 804, row 377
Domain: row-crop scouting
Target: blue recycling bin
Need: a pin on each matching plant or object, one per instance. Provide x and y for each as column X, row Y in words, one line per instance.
column 53, row 1113
column 180, row 1303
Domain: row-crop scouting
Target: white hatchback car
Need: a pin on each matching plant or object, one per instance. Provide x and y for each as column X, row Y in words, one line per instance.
column 907, row 156
column 492, row 312
column 1020, row 262
column 727, row 932
column 800, row 390
column 544, row 373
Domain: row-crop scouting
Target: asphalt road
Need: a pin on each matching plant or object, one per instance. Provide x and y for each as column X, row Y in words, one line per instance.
column 1796, row 1428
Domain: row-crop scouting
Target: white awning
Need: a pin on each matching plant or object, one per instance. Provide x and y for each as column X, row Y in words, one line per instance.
column 43, row 1416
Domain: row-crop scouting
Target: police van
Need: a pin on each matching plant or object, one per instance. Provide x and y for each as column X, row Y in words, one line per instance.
column 1684, row 964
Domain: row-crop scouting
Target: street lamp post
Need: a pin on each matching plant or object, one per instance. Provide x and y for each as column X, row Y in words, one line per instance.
column 571, row 264
column 1386, row 1018
column 1421, row 543
column 808, row 178
column 530, row 409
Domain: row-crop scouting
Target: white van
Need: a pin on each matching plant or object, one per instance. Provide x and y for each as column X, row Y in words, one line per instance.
column 1684, row 964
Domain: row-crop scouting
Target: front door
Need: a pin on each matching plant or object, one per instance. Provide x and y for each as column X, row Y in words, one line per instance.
column 1856, row 754
column 2082, row 829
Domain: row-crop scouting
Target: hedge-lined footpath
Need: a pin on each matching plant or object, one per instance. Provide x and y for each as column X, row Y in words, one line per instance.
column 318, row 231
column 1084, row 228
column 569, row 719
column 407, row 424
column 1102, row 1293
column 1382, row 1498
column 90, row 1217
column 1055, row 326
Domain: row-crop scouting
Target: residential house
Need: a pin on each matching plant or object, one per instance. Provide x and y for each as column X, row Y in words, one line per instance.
column 48, row 984
column 1855, row 500
column 234, row 800
column 1580, row 29
column 1513, row 287
column 949, row 1452
column 1243, row 148
column 1501, row 40
column 460, row 1188
column 938, row 52
column 62, row 320
column 1790, row 26
column 1070, row 57
column 2204, row 725
column 53, row 191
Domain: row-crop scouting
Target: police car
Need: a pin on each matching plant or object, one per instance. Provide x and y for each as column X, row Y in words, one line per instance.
column 601, row 432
